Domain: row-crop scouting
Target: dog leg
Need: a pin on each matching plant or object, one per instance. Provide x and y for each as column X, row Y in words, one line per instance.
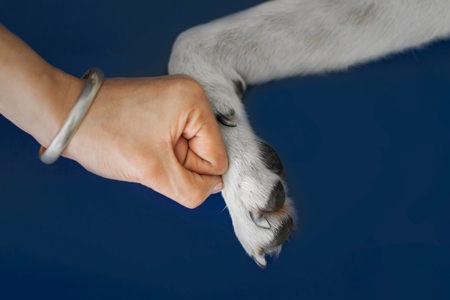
column 278, row 39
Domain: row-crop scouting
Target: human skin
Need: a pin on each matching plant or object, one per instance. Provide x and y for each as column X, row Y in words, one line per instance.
column 158, row 131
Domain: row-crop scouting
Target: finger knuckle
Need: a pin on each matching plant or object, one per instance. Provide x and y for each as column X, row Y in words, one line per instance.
column 187, row 85
column 221, row 166
column 145, row 173
column 193, row 197
column 193, row 201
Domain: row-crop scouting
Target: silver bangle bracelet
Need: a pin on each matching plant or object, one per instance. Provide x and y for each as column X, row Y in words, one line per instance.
column 94, row 79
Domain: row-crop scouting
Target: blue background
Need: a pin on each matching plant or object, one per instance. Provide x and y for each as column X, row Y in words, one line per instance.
column 366, row 154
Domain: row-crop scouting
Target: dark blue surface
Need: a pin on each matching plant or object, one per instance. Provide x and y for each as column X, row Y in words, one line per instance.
column 366, row 153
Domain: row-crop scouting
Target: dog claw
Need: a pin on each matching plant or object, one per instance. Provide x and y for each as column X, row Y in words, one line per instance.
column 226, row 120
column 259, row 220
column 260, row 260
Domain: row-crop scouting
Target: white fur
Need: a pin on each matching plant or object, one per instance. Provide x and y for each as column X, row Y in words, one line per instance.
column 284, row 38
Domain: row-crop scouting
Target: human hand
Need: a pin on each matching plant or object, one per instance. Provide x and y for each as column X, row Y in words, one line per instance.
column 159, row 132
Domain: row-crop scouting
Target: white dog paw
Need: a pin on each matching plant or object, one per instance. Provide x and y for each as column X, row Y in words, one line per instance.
column 255, row 193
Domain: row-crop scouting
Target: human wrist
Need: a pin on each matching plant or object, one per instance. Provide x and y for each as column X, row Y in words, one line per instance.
column 62, row 91
column 49, row 97
column 94, row 79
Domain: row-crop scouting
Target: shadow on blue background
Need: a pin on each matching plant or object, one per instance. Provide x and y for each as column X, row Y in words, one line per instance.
column 366, row 153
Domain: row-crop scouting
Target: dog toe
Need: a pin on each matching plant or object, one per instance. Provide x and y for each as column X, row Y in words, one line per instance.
column 282, row 232
column 271, row 159
column 277, row 197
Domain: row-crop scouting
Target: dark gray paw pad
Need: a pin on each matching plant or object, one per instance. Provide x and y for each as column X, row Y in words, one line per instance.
column 227, row 119
column 277, row 197
column 238, row 88
column 271, row 159
column 282, row 233
column 259, row 219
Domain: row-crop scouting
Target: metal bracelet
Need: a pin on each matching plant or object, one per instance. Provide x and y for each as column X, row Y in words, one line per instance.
column 94, row 79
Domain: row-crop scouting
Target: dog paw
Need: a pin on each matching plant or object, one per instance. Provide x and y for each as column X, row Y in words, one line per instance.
column 255, row 193
column 254, row 187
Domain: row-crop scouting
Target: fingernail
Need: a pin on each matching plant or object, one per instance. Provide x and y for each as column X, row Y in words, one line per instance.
column 217, row 188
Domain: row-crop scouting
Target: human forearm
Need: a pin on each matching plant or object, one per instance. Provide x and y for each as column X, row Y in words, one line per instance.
column 34, row 95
